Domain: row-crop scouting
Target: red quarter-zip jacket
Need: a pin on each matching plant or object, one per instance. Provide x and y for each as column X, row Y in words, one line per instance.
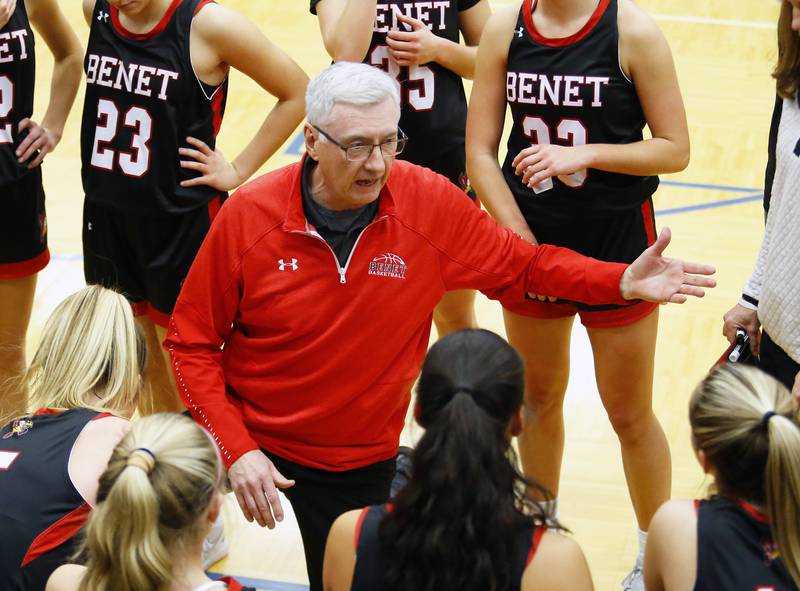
column 276, row 346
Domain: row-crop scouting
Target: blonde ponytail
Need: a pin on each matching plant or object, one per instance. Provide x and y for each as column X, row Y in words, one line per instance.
column 91, row 355
column 783, row 489
column 746, row 423
column 152, row 501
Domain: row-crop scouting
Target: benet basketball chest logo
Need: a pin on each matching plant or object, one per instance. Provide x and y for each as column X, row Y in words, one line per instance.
column 388, row 265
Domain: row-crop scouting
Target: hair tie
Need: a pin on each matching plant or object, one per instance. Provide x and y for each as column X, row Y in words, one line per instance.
column 765, row 419
column 142, row 458
column 463, row 390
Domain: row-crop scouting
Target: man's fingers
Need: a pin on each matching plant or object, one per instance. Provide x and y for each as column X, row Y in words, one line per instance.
column 698, row 268
column 662, row 241
column 677, row 298
column 280, row 480
column 260, row 508
column 240, row 498
column 273, row 500
column 692, row 291
column 699, row 281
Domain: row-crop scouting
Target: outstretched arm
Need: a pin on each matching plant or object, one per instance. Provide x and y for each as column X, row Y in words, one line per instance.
column 49, row 22
column 229, row 39
column 656, row 278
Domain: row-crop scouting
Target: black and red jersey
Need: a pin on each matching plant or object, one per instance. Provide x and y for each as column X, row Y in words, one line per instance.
column 433, row 103
column 142, row 100
column 735, row 549
column 17, row 77
column 41, row 511
column 572, row 91
column 371, row 559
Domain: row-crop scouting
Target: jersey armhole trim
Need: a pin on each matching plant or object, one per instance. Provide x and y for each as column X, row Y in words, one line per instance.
column 537, row 538
column 359, row 525
column 200, row 5
column 57, row 534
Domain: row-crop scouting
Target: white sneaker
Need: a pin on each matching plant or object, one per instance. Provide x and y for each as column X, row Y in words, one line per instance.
column 215, row 548
column 634, row 581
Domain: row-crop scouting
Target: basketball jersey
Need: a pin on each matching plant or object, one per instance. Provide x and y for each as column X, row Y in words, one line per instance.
column 735, row 549
column 433, row 105
column 41, row 511
column 142, row 101
column 371, row 566
column 17, row 77
column 572, row 91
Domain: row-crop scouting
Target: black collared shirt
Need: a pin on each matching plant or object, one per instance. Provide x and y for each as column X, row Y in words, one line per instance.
column 340, row 229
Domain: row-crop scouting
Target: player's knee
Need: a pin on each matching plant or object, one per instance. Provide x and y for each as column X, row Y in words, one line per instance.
column 544, row 403
column 630, row 424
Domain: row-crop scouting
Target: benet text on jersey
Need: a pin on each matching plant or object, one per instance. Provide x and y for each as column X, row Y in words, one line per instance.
column 133, row 78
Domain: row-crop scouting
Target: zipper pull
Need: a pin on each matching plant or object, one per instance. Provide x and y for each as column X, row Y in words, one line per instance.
column 342, row 279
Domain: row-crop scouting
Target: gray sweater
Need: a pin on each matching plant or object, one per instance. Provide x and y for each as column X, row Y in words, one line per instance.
column 774, row 287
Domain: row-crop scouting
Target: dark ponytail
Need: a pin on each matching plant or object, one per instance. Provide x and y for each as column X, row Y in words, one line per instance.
column 456, row 523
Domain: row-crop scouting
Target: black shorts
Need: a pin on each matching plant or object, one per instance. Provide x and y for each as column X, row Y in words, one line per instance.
column 619, row 239
column 23, row 227
column 146, row 258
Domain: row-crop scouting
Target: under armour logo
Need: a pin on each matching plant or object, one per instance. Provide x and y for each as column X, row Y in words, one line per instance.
column 291, row 264
column 103, row 16
column 518, row 32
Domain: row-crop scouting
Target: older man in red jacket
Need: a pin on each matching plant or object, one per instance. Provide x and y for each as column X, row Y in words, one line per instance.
column 303, row 322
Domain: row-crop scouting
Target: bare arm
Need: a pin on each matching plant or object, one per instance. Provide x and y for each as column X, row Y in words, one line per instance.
column 227, row 38
column 91, row 452
column 346, row 27
column 420, row 45
column 645, row 54
column 49, row 21
column 88, row 10
column 66, row 578
column 670, row 562
column 485, row 119
column 558, row 565
column 340, row 553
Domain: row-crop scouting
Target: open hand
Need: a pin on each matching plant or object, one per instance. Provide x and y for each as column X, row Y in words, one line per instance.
column 214, row 170
column 255, row 481
column 656, row 278
column 415, row 47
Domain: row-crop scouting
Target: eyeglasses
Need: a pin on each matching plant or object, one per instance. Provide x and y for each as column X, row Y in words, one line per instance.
column 358, row 152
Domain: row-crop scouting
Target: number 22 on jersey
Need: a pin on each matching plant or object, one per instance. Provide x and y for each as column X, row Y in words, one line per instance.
column 568, row 130
column 135, row 163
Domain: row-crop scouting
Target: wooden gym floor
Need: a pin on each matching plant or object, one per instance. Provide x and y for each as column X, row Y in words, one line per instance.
column 714, row 209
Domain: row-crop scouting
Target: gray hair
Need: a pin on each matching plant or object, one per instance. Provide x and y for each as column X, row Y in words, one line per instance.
column 351, row 84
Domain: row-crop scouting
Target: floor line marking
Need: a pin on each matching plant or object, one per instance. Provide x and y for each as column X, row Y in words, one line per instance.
column 710, row 205
column 263, row 584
